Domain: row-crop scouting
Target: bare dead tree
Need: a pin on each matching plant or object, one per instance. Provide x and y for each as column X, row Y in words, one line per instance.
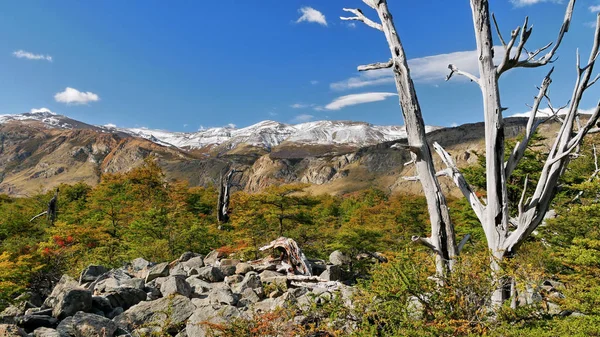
column 51, row 211
column 226, row 182
column 503, row 240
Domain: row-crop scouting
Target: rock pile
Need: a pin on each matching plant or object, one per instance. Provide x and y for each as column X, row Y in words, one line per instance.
column 176, row 299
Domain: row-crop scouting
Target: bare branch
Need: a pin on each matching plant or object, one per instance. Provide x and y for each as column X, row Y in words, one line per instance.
column 594, row 174
column 454, row 69
column 460, row 181
column 462, row 243
column 531, row 61
column 361, row 17
column 520, row 206
column 424, row 241
column 370, row 3
column 498, row 30
column 592, row 82
column 39, row 215
column 530, row 129
column 375, row 66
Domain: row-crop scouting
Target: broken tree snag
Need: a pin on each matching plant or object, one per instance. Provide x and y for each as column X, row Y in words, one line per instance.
column 292, row 256
column 226, row 182
column 51, row 211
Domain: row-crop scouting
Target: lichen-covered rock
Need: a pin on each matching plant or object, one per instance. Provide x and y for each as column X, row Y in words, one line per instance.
column 160, row 270
column 210, row 274
column 338, row 258
column 32, row 322
column 91, row 273
column 173, row 310
column 213, row 257
column 243, row 268
column 11, row 330
column 125, row 297
column 199, row 322
column 45, row 332
column 194, row 262
column 86, row 325
column 175, row 285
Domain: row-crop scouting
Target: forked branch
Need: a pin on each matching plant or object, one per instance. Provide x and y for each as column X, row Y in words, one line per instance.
column 361, row 17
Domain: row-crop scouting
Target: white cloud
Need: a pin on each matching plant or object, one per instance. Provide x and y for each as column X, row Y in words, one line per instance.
column 546, row 112
column 272, row 113
column 426, row 69
column 74, row 96
column 41, row 110
column 591, row 24
column 110, row 126
column 185, row 125
column 355, row 99
column 303, row 118
column 522, row 3
column 302, row 106
column 314, row 82
column 310, row 14
column 453, row 125
column 231, row 126
column 595, row 8
column 31, row 56
column 351, row 25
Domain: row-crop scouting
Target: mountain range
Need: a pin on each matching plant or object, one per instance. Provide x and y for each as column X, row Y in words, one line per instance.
column 41, row 149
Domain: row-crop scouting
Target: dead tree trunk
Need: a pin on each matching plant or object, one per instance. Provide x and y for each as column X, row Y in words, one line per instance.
column 226, row 182
column 494, row 215
column 51, row 211
column 442, row 240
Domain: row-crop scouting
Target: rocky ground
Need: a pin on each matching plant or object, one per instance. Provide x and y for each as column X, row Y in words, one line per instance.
column 180, row 298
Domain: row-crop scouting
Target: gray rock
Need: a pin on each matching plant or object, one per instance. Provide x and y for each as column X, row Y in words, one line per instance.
column 198, row 286
column 115, row 279
column 71, row 301
column 249, row 297
column 65, row 283
column 173, row 310
column 227, row 270
column 186, row 256
column 11, row 330
column 338, row 258
column 178, row 270
column 243, row 268
column 91, row 273
column 161, row 269
column 332, row 273
column 213, row 257
column 232, row 279
column 32, row 322
column 175, row 285
column 210, row 274
column 250, row 281
column 45, row 332
column 223, row 296
column 125, row 297
column 198, row 324
column 229, row 262
column 86, row 325
column 101, row 304
column 195, row 262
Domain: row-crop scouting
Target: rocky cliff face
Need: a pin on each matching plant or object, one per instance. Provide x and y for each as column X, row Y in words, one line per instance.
column 36, row 156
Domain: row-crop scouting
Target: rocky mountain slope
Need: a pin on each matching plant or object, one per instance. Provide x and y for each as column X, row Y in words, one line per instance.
column 40, row 150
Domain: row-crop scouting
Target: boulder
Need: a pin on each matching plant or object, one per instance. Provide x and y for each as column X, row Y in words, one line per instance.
column 338, row 258
column 243, row 268
column 233, row 279
column 45, row 332
column 91, row 273
column 32, row 322
column 159, row 270
column 11, row 330
column 139, row 267
column 332, row 273
column 210, row 274
column 223, row 296
column 199, row 323
column 213, row 257
column 72, row 301
column 227, row 270
column 173, row 310
column 86, row 325
column 229, row 262
column 178, row 270
column 248, row 297
column 250, row 281
column 175, row 285
column 197, row 285
column 65, row 283
column 186, row 256
column 194, row 262
column 125, row 297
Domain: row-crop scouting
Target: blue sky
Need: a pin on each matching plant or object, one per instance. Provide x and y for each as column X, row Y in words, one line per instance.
column 179, row 65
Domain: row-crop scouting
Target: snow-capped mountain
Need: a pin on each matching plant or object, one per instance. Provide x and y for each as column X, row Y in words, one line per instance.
column 266, row 134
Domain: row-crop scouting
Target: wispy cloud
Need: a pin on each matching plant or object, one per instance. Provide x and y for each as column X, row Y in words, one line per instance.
column 546, row 112
column 31, row 56
column 523, row 3
column 428, row 69
column 595, row 8
column 354, row 99
column 41, row 110
column 314, row 82
column 302, row 118
column 302, row 106
column 310, row 14
column 76, row 97
column 110, row 126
